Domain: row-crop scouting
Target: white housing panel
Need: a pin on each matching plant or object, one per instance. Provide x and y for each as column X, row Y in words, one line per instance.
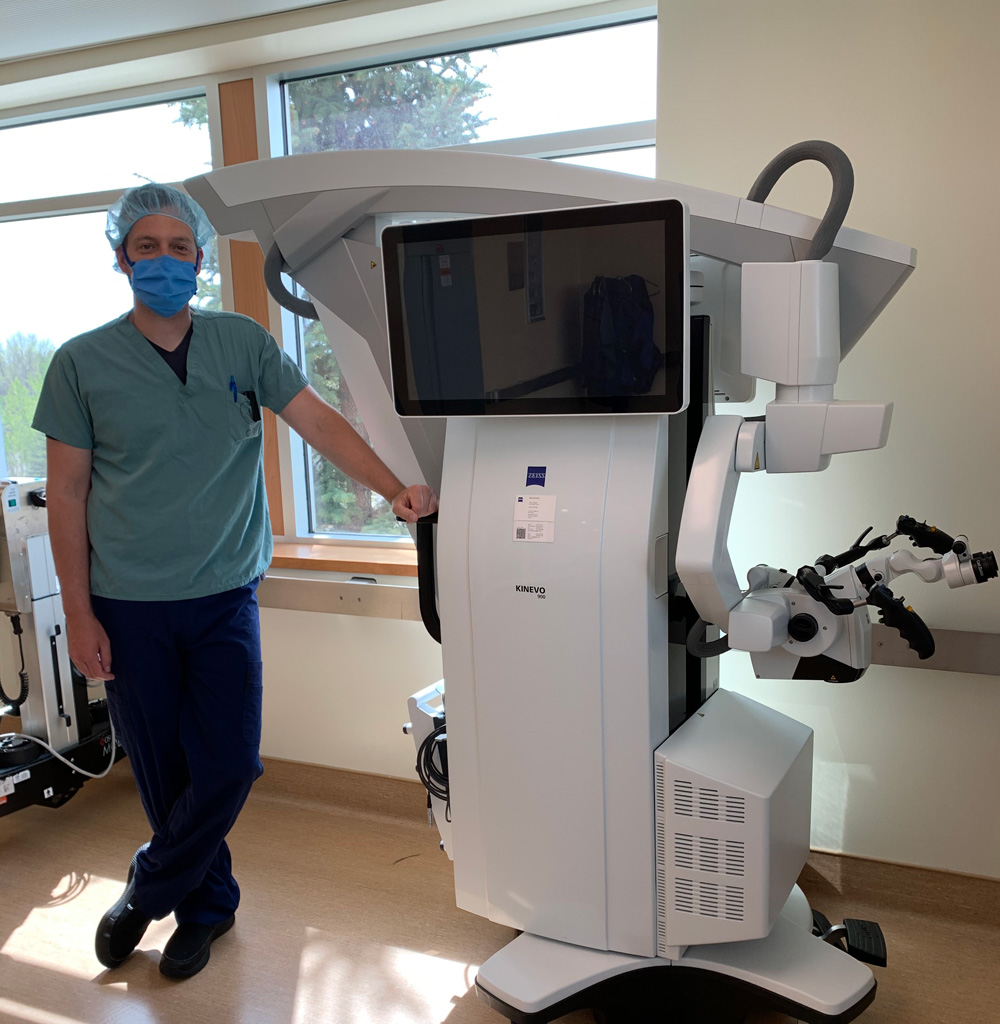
column 555, row 660
column 791, row 322
column 733, row 789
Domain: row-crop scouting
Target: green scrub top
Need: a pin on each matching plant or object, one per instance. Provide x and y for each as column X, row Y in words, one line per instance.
column 177, row 506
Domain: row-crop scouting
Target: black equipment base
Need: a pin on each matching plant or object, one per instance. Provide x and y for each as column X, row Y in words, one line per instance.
column 40, row 778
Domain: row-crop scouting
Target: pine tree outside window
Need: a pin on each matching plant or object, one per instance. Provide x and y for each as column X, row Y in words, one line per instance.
column 529, row 92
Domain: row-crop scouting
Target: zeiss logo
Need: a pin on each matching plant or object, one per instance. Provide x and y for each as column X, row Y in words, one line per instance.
column 520, row 589
column 536, row 475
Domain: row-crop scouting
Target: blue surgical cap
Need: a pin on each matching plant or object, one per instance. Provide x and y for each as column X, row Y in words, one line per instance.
column 151, row 198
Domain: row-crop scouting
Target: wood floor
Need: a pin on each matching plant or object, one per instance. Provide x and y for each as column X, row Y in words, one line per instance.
column 348, row 917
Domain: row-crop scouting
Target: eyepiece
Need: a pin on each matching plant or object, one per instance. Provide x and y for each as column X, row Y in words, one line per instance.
column 802, row 627
column 984, row 565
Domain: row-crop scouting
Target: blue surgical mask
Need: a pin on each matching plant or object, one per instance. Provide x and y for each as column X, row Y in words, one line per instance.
column 164, row 284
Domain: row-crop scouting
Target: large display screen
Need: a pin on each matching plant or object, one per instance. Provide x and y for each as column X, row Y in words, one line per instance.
column 580, row 310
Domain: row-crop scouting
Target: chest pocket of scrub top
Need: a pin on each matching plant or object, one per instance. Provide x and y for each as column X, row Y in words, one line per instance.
column 242, row 425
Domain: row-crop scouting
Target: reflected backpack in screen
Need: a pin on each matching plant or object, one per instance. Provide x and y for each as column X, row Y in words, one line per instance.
column 619, row 356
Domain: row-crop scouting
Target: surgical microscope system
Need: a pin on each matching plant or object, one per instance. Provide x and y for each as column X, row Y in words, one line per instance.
column 547, row 350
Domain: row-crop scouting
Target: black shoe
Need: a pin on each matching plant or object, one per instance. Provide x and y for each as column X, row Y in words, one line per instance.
column 189, row 947
column 122, row 926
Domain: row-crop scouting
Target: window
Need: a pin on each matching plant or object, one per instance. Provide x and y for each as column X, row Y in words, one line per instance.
column 78, row 290
column 112, row 150
column 56, row 265
column 639, row 160
column 561, row 97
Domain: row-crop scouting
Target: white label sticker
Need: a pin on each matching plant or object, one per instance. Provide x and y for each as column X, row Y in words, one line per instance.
column 22, row 776
column 6, row 786
column 535, row 508
column 535, row 518
column 536, row 532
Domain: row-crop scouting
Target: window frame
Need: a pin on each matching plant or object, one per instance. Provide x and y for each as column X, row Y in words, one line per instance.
column 267, row 79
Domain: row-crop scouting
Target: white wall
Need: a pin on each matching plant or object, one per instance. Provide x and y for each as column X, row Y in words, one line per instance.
column 907, row 760
column 335, row 688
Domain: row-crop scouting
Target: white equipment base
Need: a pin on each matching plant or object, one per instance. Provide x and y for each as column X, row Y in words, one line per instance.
column 792, row 970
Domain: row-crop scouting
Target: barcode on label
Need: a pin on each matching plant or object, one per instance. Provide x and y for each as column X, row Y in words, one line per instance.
column 521, row 532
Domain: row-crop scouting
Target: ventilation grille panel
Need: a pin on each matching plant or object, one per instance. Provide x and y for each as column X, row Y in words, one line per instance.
column 703, row 864
column 735, row 858
column 703, row 853
column 708, row 899
column 683, row 798
column 702, row 802
column 708, row 804
column 736, row 809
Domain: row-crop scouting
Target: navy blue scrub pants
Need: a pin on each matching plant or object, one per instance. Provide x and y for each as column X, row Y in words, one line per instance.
column 186, row 705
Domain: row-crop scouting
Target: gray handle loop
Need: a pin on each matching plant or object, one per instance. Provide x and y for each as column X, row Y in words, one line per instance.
column 273, row 265
column 839, row 166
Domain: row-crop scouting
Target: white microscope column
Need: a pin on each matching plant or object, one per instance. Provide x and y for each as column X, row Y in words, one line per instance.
column 552, row 725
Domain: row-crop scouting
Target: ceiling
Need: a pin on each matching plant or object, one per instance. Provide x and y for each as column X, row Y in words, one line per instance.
column 33, row 27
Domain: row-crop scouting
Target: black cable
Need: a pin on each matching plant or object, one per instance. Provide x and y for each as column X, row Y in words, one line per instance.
column 433, row 775
column 698, row 648
column 15, row 622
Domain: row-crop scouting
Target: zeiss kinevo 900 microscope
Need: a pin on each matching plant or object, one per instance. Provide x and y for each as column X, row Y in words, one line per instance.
column 546, row 350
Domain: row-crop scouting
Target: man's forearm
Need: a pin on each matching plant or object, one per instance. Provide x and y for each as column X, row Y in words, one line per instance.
column 70, row 548
column 338, row 442
column 321, row 426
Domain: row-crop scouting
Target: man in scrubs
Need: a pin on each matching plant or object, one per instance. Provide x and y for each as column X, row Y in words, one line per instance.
column 160, row 533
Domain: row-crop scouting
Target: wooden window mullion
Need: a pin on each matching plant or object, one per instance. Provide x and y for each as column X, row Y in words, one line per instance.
column 239, row 144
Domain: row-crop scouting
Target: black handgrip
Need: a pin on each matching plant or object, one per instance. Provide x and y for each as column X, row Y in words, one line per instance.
column 852, row 554
column 273, row 267
column 924, row 536
column 426, row 576
column 893, row 612
column 814, row 586
column 53, row 648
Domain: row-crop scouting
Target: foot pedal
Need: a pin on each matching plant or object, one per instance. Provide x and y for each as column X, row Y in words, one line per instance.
column 821, row 923
column 865, row 941
column 826, row 931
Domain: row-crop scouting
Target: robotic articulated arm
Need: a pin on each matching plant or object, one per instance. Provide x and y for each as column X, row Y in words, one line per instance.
column 812, row 624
